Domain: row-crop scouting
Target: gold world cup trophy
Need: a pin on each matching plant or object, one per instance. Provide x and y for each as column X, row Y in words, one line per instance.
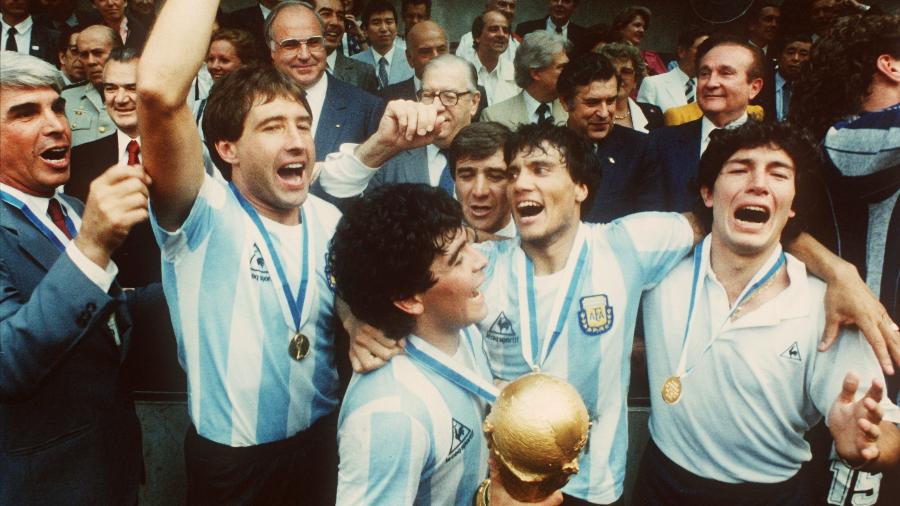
column 535, row 432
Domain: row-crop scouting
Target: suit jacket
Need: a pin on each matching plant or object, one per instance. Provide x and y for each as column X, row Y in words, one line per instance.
column 349, row 114
column 512, row 113
column 250, row 19
column 692, row 111
column 70, row 434
column 356, row 73
column 629, row 181
column 575, row 33
column 86, row 114
column 43, row 44
column 399, row 71
column 676, row 150
column 653, row 115
column 406, row 90
column 137, row 31
column 406, row 167
column 138, row 257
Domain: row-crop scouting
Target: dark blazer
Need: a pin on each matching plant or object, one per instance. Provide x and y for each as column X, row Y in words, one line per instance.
column 654, row 115
column 250, row 19
column 138, row 258
column 766, row 96
column 137, row 31
column 355, row 72
column 70, row 434
column 43, row 43
column 406, row 90
column 677, row 151
column 629, row 182
column 575, row 33
column 349, row 114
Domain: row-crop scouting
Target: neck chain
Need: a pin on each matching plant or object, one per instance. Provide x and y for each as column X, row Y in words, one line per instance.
column 739, row 310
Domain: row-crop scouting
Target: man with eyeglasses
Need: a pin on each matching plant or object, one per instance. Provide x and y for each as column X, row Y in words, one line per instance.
column 342, row 113
column 450, row 81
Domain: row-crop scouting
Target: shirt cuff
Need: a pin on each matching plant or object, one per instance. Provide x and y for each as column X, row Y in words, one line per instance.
column 343, row 174
column 101, row 277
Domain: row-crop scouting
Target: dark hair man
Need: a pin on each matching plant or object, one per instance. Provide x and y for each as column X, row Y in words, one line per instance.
column 558, row 20
column 379, row 20
column 64, row 323
column 752, row 318
column 258, row 349
column 763, row 24
column 414, row 12
column 333, row 16
column 588, row 88
column 69, row 62
column 480, row 177
column 19, row 32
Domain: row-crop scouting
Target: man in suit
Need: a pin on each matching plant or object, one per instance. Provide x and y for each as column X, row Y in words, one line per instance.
column 70, row 434
column 84, row 105
column 730, row 74
column 678, row 86
column 540, row 59
column 558, row 20
column 253, row 20
column 111, row 13
column 21, row 34
column 588, row 89
column 794, row 53
column 379, row 20
column 413, row 12
column 341, row 112
column 69, row 62
column 491, row 34
column 448, row 81
column 346, row 69
column 762, row 25
column 466, row 48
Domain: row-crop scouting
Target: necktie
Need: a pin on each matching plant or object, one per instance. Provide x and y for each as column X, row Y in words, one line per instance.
column 785, row 99
column 543, row 112
column 133, row 149
column 559, row 30
column 54, row 209
column 446, row 179
column 11, row 40
column 689, row 91
column 382, row 71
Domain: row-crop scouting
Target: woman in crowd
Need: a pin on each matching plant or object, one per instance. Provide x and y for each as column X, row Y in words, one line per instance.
column 629, row 26
column 627, row 60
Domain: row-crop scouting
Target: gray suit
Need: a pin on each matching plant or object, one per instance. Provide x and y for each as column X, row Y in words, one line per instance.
column 356, row 73
column 86, row 114
column 406, row 167
column 511, row 112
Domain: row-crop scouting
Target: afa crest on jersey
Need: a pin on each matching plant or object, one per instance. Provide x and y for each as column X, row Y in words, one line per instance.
column 595, row 315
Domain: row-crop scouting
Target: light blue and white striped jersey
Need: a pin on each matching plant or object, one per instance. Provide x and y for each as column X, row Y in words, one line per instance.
column 226, row 303
column 593, row 352
column 409, row 436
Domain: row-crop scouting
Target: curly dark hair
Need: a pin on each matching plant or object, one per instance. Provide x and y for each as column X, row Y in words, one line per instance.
column 724, row 143
column 841, row 70
column 383, row 248
column 582, row 72
column 577, row 153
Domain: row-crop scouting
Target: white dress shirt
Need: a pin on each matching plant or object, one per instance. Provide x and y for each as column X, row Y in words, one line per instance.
column 436, row 163
column 315, row 97
column 500, row 83
column 551, row 27
column 707, row 127
column 23, row 35
column 123, row 139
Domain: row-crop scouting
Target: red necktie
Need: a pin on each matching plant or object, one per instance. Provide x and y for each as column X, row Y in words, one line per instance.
column 134, row 149
column 54, row 209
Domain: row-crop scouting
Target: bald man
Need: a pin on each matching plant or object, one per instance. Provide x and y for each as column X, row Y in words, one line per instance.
column 84, row 103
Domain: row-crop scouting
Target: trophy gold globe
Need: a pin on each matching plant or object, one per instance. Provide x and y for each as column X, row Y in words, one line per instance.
column 535, row 432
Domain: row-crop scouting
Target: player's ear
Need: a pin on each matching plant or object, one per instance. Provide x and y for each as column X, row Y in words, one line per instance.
column 411, row 305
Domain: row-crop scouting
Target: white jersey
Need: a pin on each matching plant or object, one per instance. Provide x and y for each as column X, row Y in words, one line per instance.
column 593, row 352
column 409, row 436
column 226, row 303
column 747, row 402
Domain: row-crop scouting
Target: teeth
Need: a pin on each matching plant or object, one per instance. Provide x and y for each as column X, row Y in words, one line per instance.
column 752, row 214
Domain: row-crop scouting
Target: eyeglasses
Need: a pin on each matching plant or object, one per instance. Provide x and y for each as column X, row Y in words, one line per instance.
column 293, row 46
column 447, row 97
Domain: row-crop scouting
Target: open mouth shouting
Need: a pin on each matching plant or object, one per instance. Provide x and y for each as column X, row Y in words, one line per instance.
column 292, row 175
column 752, row 214
column 56, row 157
column 527, row 210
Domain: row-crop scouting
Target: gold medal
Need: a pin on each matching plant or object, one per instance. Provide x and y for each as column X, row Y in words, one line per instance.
column 298, row 349
column 671, row 390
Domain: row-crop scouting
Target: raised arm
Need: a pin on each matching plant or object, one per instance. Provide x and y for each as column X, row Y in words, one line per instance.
column 171, row 148
column 849, row 301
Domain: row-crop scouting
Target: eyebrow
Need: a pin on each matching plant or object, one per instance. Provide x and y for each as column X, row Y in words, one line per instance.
column 23, row 109
column 750, row 161
column 454, row 253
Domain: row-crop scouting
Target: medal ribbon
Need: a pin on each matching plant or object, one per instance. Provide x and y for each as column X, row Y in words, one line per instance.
column 449, row 369
column 531, row 345
column 701, row 251
column 48, row 233
column 295, row 305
